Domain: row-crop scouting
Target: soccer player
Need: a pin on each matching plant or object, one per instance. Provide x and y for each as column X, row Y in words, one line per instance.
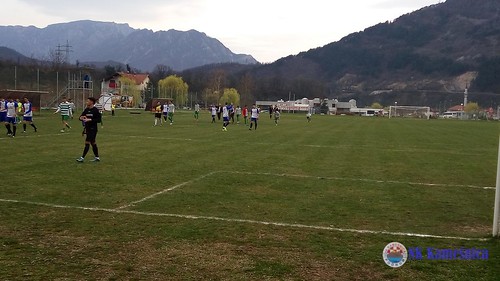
column 165, row 111
column 72, row 107
column 245, row 114
column 219, row 111
column 238, row 114
column 277, row 115
column 113, row 107
column 196, row 111
column 11, row 107
column 65, row 110
column 308, row 115
column 157, row 111
column 255, row 116
column 91, row 117
column 231, row 112
column 28, row 115
column 19, row 110
column 214, row 112
column 3, row 111
column 171, row 110
column 225, row 117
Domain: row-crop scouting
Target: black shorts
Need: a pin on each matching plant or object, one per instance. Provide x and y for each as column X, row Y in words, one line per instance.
column 91, row 135
column 157, row 115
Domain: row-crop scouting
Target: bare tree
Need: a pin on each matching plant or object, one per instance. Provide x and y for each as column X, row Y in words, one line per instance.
column 246, row 88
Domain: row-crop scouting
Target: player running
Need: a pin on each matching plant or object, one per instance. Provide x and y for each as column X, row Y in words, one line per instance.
column 308, row 115
column 64, row 109
column 225, row 117
column 277, row 115
column 196, row 112
column 255, row 116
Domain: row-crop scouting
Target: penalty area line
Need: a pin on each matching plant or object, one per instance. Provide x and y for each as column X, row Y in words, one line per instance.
column 255, row 222
column 163, row 191
column 156, row 138
column 362, row 180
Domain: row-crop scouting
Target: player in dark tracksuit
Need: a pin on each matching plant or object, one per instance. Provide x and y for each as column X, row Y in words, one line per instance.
column 91, row 117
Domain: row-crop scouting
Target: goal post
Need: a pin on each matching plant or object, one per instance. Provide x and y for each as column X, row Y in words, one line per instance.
column 407, row 111
column 496, row 212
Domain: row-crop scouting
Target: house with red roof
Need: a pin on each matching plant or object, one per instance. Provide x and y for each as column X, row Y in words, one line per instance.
column 454, row 112
column 114, row 87
column 459, row 107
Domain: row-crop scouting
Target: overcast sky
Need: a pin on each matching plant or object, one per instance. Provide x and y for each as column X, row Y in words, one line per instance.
column 265, row 29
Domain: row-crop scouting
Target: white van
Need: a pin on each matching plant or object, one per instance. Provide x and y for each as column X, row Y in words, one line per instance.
column 452, row 114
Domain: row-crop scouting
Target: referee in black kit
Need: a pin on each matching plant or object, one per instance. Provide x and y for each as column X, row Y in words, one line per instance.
column 90, row 117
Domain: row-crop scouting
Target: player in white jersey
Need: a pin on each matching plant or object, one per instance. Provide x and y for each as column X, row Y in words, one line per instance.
column 238, row 114
column 277, row 115
column 28, row 115
column 165, row 111
column 72, row 107
column 171, row 110
column 308, row 115
column 11, row 107
column 3, row 111
column 196, row 112
column 214, row 112
column 254, row 116
column 225, row 117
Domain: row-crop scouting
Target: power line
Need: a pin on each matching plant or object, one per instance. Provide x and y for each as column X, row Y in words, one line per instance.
column 64, row 49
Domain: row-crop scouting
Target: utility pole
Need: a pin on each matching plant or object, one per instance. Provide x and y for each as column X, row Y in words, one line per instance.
column 466, row 94
column 67, row 49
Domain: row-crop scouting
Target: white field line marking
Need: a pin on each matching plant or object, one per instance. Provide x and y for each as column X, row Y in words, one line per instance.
column 34, row 135
column 281, row 144
column 425, row 150
column 163, row 191
column 365, row 180
column 280, row 224
column 153, row 138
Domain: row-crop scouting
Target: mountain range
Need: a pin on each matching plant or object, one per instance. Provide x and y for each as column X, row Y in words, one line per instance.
column 143, row 49
column 427, row 57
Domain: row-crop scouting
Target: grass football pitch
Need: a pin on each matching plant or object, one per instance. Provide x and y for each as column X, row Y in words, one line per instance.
column 297, row 201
